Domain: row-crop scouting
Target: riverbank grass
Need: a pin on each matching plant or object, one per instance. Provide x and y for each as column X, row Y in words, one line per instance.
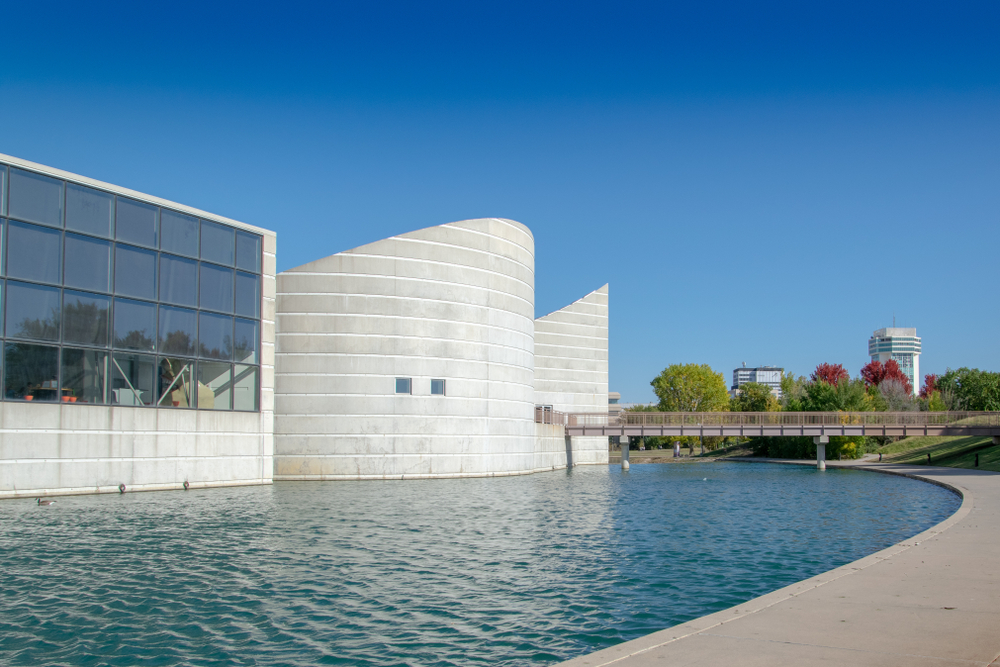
column 952, row 452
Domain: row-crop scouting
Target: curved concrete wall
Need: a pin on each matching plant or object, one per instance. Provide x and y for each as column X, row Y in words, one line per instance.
column 571, row 374
column 454, row 302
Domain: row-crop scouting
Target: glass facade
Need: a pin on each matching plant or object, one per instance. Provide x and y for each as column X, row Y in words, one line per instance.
column 109, row 300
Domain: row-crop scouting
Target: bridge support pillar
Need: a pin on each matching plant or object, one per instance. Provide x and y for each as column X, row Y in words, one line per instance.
column 821, row 441
column 624, row 446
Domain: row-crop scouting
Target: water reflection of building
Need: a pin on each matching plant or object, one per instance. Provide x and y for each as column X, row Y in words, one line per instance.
column 133, row 336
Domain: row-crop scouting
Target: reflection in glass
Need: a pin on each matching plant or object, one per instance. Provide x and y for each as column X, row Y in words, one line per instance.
column 248, row 252
column 135, row 272
column 136, row 223
column 32, row 311
column 178, row 233
column 84, row 376
column 247, row 295
column 178, row 331
column 85, row 318
column 215, row 385
column 245, row 383
column 178, row 280
column 35, row 198
column 32, row 372
column 216, row 288
column 217, row 243
column 174, row 388
column 132, row 379
column 215, row 336
column 89, row 210
column 245, row 342
column 135, row 325
column 33, row 252
column 3, row 189
column 88, row 263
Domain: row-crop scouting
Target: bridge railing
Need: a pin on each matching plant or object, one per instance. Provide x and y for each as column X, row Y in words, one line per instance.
column 783, row 419
column 548, row 416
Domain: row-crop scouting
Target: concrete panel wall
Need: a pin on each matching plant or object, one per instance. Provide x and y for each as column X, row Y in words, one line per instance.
column 454, row 302
column 571, row 370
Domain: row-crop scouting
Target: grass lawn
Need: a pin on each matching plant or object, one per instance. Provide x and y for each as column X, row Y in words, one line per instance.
column 945, row 451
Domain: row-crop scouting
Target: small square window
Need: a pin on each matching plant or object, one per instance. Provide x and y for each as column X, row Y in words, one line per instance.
column 437, row 387
column 402, row 385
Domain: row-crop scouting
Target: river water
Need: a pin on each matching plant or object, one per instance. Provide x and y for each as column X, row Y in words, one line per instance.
column 502, row 571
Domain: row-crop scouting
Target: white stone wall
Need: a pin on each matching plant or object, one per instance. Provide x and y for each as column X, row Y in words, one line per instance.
column 571, row 373
column 453, row 302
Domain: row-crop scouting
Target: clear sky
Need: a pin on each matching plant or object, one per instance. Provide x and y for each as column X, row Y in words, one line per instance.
column 766, row 182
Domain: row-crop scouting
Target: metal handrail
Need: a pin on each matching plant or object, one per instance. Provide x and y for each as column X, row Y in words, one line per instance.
column 548, row 416
column 781, row 418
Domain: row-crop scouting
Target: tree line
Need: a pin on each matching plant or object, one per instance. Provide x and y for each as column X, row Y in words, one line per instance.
column 879, row 387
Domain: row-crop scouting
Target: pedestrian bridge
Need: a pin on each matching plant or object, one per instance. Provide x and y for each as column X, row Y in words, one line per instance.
column 752, row 424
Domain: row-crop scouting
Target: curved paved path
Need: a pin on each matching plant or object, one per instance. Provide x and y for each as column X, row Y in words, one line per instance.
column 931, row 600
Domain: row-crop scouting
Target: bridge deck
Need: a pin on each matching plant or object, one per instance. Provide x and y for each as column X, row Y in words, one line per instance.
column 752, row 424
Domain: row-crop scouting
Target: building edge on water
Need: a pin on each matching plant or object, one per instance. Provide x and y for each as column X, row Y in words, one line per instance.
column 148, row 345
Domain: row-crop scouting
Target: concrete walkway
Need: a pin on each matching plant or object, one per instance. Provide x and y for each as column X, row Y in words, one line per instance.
column 931, row 600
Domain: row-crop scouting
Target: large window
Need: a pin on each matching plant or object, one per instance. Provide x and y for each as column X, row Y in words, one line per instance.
column 111, row 300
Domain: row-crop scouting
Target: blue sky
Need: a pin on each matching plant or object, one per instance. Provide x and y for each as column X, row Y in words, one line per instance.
column 759, row 182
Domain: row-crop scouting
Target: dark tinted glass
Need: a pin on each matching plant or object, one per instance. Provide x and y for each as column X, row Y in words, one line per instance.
column 133, row 379
column 246, row 342
column 84, row 376
column 402, row 385
column 216, row 288
column 178, row 280
column 215, row 385
column 89, row 210
column 32, row 311
column 179, row 233
column 437, row 387
column 215, row 336
column 135, row 272
column 175, row 389
column 85, row 318
column 178, row 331
column 3, row 190
column 31, row 372
column 136, row 223
column 248, row 252
column 217, row 243
column 245, row 383
column 88, row 263
column 135, row 325
column 33, row 252
column 35, row 198
column 247, row 295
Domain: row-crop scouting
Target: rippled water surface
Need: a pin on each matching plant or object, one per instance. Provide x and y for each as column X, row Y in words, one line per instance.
column 505, row 571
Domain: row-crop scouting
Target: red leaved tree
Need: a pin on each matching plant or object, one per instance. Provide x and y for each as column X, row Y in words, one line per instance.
column 875, row 373
column 832, row 374
column 930, row 385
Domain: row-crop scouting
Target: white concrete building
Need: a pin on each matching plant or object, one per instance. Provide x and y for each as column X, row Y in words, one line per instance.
column 901, row 344
column 137, row 340
column 415, row 357
column 767, row 375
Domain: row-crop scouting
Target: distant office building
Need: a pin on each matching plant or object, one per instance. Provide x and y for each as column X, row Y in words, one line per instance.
column 613, row 407
column 769, row 375
column 900, row 344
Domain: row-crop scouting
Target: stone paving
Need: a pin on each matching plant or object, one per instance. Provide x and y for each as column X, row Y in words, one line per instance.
column 933, row 599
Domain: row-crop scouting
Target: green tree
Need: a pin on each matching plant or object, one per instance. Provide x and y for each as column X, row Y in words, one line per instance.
column 754, row 397
column 691, row 388
column 846, row 396
column 793, row 392
column 972, row 388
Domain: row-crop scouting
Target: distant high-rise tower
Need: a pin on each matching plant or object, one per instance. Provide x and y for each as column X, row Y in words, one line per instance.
column 900, row 344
